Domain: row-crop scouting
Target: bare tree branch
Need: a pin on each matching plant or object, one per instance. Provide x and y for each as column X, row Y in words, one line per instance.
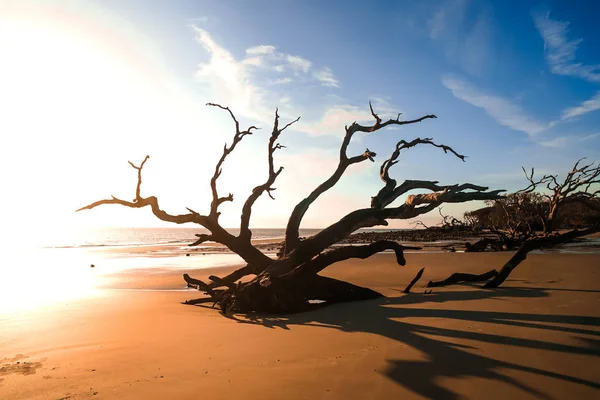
column 245, row 250
column 245, row 232
column 202, row 237
column 273, row 289
column 292, row 230
column 414, row 281
column 418, row 223
column 460, row 278
column 237, row 137
column 324, row 260
column 384, row 197
column 414, row 206
column 533, row 244
column 151, row 201
column 574, row 188
column 139, row 183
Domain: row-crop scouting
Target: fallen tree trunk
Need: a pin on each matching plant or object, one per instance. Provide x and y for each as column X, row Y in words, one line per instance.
column 533, row 244
column 283, row 296
column 459, row 277
column 496, row 278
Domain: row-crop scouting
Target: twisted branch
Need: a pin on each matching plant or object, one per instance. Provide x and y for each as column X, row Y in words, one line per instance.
column 139, row 183
column 324, row 260
column 245, row 232
column 387, row 195
column 237, row 137
column 292, row 230
column 151, row 201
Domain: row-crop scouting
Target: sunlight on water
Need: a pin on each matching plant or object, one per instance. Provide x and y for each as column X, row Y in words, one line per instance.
column 33, row 278
column 53, row 268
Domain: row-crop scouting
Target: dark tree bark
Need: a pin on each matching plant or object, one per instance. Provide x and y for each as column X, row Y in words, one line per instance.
column 460, row 278
column 291, row 282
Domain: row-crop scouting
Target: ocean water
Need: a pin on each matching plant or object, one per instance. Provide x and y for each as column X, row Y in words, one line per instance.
column 120, row 237
column 41, row 268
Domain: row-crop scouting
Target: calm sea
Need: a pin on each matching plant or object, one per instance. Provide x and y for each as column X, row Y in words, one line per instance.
column 43, row 268
column 58, row 267
column 102, row 237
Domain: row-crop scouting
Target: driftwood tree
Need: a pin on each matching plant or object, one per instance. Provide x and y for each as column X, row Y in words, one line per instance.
column 512, row 220
column 290, row 282
column 580, row 185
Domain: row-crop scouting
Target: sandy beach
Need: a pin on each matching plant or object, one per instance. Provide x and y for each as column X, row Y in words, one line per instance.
column 535, row 338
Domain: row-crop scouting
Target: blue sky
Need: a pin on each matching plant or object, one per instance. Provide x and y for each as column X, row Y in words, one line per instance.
column 89, row 85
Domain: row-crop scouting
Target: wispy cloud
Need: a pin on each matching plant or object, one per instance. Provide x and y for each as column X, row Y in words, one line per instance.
column 298, row 62
column 283, row 81
column 266, row 56
column 587, row 106
column 229, row 79
column 564, row 141
column 511, row 115
column 593, row 136
column 237, row 83
column 560, row 50
column 557, row 142
column 261, row 50
column 335, row 117
column 325, row 76
column 502, row 110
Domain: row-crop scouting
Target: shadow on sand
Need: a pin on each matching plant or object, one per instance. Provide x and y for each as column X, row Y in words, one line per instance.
column 444, row 358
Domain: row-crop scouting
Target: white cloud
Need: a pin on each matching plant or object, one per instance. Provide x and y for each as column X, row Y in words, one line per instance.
column 560, row 50
column 587, row 106
column 502, row 110
column 334, row 119
column 237, row 84
column 229, row 80
column 283, row 81
column 325, row 76
column 268, row 57
column 298, row 62
column 261, row 50
column 234, row 82
column 337, row 116
column 588, row 137
column 255, row 61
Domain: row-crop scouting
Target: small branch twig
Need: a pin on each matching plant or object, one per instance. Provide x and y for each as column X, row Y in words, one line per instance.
column 415, row 280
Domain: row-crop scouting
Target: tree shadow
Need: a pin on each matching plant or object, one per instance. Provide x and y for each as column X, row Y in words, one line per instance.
column 444, row 358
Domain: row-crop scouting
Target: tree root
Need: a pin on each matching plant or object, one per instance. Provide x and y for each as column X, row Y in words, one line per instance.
column 282, row 295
